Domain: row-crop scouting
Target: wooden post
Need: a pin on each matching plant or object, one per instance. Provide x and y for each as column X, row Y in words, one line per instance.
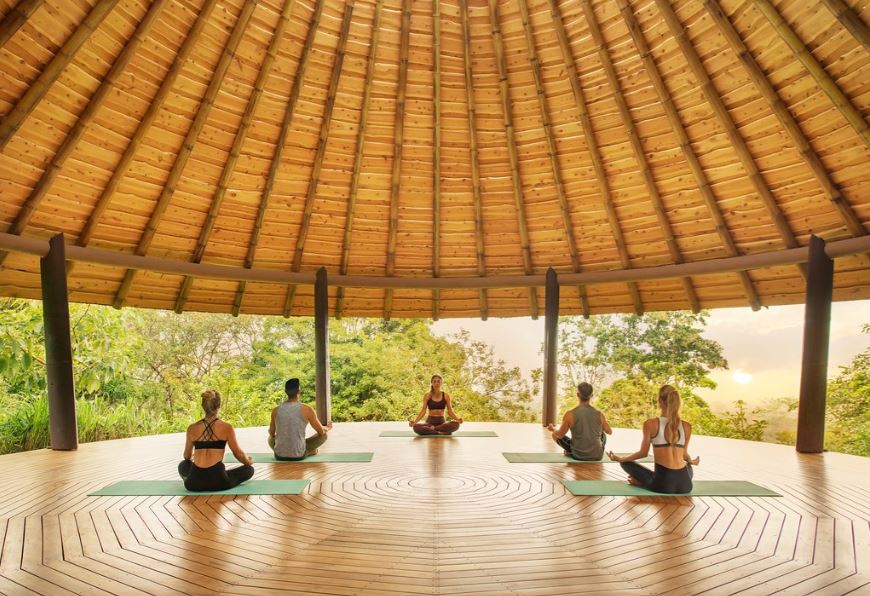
column 814, row 364
column 551, row 342
column 322, row 399
column 58, row 348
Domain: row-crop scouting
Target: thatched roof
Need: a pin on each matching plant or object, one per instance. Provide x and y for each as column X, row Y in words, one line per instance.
column 435, row 138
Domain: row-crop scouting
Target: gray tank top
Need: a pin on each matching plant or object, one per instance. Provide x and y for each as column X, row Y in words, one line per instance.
column 290, row 430
column 586, row 433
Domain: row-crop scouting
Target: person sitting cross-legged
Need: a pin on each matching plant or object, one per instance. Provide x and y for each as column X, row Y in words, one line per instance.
column 436, row 401
column 287, row 428
column 587, row 427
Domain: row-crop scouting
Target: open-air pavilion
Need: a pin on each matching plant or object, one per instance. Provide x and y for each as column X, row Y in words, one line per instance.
column 434, row 158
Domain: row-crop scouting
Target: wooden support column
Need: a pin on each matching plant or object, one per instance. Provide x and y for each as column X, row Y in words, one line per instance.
column 551, row 343
column 814, row 364
column 322, row 401
column 58, row 348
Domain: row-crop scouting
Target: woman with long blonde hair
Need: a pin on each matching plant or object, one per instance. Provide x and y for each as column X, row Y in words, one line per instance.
column 669, row 437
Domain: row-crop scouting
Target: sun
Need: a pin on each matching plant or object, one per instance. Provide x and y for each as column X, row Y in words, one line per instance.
column 742, row 378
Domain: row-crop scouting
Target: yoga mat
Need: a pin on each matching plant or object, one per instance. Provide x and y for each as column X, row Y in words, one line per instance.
column 269, row 458
column 459, row 433
column 165, row 488
column 701, row 488
column 558, row 458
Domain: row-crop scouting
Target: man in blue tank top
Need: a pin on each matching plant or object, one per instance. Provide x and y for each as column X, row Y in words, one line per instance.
column 587, row 427
column 287, row 428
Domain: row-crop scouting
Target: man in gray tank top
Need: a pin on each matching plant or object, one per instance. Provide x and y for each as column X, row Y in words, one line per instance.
column 587, row 427
column 287, row 429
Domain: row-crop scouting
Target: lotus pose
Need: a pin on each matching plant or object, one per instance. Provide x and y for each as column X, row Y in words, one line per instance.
column 587, row 427
column 436, row 401
column 669, row 437
column 287, row 428
column 203, row 466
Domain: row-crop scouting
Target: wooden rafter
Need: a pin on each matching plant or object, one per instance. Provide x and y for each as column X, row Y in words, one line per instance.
column 473, row 157
column 825, row 81
column 594, row 153
column 851, row 21
column 16, row 17
column 235, row 150
column 639, row 153
column 320, row 153
column 507, row 110
column 279, row 149
column 145, row 124
column 436, row 152
column 358, row 154
column 398, row 135
column 37, row 90
column 25, row 214
column 187, row 146
column 789, row 124
column 691, row 157
column 553, row 152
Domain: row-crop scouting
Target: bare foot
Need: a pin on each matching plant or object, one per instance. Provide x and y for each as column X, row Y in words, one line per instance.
column 311, row 453
column 633, row 482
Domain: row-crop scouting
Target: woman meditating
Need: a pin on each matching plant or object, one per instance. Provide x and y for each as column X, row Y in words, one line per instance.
column 669, row 437
column 203, row 466
column 436, row 401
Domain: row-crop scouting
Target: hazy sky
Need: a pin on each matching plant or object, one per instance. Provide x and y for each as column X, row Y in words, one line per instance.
column 763, row 348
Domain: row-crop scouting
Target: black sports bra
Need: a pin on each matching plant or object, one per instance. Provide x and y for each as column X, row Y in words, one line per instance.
column 208, row 440
column 437, row 405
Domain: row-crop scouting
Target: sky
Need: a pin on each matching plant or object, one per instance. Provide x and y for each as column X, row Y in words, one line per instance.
column 763, row 348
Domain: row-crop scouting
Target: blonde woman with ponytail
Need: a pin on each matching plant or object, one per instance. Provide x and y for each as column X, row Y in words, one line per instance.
column 203, row 466
column 669, row 437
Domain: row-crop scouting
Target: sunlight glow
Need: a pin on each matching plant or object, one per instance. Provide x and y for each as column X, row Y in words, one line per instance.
column 742, row 378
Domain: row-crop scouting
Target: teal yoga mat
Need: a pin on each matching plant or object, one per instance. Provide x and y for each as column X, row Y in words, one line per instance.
column 166, row 488
column 269, row 458
column 558, row 458
column 459, row 433
column 701, row 488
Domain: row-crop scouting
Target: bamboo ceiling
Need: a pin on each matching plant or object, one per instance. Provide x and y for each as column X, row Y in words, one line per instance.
column 435, row 138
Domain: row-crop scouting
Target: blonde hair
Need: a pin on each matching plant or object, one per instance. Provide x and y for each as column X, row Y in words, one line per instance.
column 211, row 402
column 669, row 398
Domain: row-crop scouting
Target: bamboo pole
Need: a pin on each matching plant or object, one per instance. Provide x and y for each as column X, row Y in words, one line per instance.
column 507, row 110
column 475, row 163
column 235, row 150
column 31, row 204
column 814, row 67
column 791, row 127
column 553, row 152
column 692, row 160
column 436, row 152
column 358, row 153
column 398, row 133
column 187, row 147
column 37, row 90
column 16, row 17
column 594, row 153
column 851, row 21
column 320, row 152
column 279, row 149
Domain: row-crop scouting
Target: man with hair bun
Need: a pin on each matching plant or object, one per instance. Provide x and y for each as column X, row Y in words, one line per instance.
column 587, row 427
column 287, row 428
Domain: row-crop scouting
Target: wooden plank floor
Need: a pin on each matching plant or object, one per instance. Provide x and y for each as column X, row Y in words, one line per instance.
column 433, row 516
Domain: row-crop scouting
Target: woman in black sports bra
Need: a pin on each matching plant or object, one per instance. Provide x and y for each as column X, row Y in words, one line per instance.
column 669, row 437
column 203, row 466
column 436, row 401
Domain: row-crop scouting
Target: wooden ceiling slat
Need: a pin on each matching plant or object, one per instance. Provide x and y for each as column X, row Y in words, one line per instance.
column 235, row 150
column 320, row 153
column 436, row 152
column 851, row 21
column 37, row 90
column 16, row 17
column 398, row 144
column 507, row 111
column 473, row 157
column 75, row 134
column 358, row 153
column 594, row 152
column 275, row 164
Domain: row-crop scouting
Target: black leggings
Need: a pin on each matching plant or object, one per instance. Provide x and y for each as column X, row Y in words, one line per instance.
column 662, row 480
column 216, row 477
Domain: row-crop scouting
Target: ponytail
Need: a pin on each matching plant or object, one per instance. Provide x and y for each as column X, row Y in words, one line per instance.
column 669, row 398
column 211, row 402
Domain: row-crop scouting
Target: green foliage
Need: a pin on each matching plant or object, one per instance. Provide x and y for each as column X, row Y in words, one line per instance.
column 848, row 407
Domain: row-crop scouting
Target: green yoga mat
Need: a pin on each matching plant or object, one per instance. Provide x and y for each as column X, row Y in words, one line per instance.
column 557, row 458
column 269, row 458
column 166, row 488
column 701, row 488
column 459, row 433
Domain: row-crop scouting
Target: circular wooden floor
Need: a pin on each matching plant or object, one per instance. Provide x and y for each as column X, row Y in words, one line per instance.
column 433, row 516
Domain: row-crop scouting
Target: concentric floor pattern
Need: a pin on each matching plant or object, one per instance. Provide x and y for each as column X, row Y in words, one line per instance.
column 433, row 517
